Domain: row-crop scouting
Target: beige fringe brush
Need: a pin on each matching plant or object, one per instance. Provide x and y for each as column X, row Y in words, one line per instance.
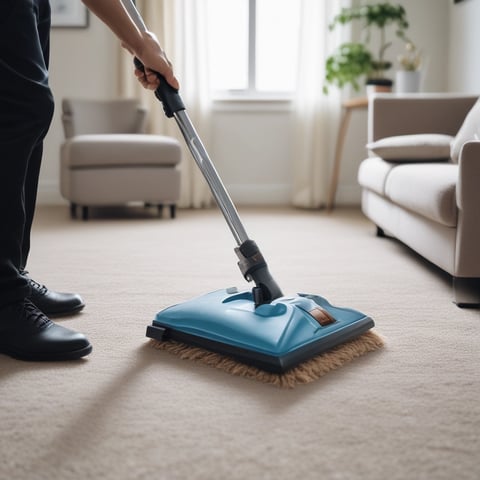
column 303, row 373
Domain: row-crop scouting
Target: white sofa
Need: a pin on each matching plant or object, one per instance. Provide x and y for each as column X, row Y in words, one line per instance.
column 421, row 182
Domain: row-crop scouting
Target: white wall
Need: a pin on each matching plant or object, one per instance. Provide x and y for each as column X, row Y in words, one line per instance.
column 83, row 63
column 252, row 143
column 252, row 151
column 429, row 26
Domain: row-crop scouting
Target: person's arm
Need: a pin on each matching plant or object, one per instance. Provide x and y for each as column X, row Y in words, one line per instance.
column 143, row 45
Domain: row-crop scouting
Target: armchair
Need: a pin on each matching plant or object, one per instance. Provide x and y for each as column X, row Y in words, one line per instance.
column 107, row 159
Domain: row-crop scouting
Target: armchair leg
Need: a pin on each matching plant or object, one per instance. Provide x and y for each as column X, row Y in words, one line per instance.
column 466, row 292
column 85, row 213
column 160, row 210
column 173, row 211
column 73, row 210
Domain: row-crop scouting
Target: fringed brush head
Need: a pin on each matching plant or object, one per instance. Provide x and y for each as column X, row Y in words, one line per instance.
column 303, row 373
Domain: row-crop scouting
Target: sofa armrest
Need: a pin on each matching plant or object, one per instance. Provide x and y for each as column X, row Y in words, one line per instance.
column 468, row 188
column 467, row 262
column 392, row 114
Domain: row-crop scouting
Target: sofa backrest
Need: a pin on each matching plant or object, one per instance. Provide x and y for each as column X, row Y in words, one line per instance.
column 392, row 114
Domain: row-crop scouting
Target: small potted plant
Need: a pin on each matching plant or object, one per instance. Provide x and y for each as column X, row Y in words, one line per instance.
column 408, row 77
column 352, row 61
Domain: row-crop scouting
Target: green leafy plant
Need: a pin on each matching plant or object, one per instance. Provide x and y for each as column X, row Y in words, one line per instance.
column 351, row 61
column 347, row 65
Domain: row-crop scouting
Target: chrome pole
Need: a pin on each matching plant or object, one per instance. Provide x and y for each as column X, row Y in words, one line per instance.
column 208, row 170
column 200, row 154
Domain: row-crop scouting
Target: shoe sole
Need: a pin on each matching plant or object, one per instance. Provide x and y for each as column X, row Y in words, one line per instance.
column 47, row 357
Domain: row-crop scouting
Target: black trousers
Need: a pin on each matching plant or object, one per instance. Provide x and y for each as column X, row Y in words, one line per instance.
column 26, row 110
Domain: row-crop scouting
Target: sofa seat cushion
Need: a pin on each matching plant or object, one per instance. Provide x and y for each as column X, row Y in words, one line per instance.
column 425, row 188
column 122, row 150
column 373, row 173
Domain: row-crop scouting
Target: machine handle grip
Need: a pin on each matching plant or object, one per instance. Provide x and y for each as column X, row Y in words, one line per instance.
column 169, row 96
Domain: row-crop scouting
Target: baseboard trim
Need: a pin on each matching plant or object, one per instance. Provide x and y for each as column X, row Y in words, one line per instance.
column 260, row 195
column 49, row 194
column 242, row 194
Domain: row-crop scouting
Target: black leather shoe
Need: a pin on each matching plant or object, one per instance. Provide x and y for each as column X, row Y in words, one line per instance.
column 27, row 334
column 53, row 304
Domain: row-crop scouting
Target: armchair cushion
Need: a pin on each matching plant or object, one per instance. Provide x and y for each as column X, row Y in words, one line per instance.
column 87, row 116
column 413, row 148
column 117, row 150
column 470, row 130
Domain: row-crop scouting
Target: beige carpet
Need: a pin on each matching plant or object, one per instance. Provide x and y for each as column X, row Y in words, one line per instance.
column 408, row 411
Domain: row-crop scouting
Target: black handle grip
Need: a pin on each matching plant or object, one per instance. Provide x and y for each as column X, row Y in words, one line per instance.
column 169, row 96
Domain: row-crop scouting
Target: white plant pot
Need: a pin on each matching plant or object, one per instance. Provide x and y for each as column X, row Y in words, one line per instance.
column 407, row 81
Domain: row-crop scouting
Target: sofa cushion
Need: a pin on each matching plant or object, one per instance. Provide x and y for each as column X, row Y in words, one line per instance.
column 470, row 130
column 373, row 173
column 425, row 188
column 411, row 148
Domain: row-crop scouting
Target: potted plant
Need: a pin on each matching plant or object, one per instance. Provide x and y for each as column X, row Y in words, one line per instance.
column 351, row 61
column 408, row 76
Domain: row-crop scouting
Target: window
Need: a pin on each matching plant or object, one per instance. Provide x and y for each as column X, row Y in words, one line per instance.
column 253, row 45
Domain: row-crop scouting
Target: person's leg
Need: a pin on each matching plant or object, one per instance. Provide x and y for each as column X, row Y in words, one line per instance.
column 33, row 167
column 50, row 302
column 26, row 109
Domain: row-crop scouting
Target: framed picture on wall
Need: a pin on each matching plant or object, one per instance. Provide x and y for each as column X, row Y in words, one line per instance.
column 69, row 14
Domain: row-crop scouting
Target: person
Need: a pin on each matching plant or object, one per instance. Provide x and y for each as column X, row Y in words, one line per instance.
column 26, row 110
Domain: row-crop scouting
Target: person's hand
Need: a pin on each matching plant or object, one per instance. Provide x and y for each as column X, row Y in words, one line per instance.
column 154, row 60
column 148, row 78
column 144, row 45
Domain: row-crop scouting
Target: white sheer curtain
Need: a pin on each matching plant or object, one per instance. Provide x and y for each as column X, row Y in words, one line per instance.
column 181, row 27
column 316, row 115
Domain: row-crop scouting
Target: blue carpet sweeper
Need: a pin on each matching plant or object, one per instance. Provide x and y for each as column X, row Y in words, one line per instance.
column 260, row 327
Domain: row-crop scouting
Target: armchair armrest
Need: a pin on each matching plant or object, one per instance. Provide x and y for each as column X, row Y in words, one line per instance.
column 391, row 114
column 141, row 120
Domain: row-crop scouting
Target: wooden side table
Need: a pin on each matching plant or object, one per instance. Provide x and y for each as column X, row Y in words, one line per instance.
column 348, row 106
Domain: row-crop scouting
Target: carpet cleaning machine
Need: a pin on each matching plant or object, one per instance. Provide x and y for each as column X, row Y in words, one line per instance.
column 261, row 326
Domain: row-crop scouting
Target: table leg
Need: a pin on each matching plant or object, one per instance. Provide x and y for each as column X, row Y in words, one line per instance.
column 346, row 113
